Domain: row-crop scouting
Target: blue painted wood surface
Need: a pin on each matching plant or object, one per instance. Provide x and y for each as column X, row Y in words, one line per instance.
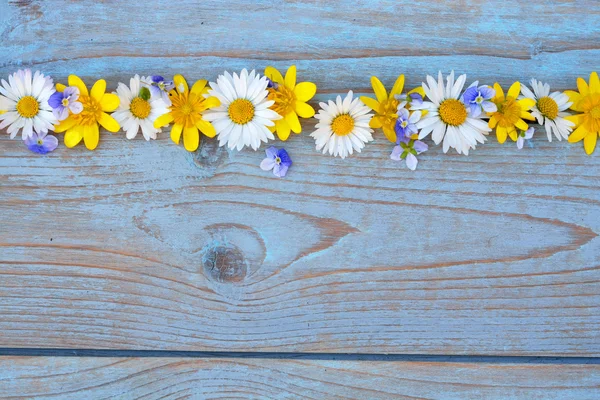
column 144, row 246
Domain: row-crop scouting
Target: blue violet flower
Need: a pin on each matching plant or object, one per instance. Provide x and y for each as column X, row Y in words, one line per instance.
column 477, row 99
column 64, row 102
column 41, row 143
column 277, row 160
column 406, row 124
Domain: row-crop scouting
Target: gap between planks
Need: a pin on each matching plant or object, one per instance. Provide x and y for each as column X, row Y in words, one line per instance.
column 40, row 352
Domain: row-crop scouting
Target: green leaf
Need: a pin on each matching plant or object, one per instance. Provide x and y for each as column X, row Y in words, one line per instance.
column 145, row 93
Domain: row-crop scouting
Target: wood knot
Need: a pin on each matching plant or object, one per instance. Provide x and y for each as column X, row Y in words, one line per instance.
column 224, row 264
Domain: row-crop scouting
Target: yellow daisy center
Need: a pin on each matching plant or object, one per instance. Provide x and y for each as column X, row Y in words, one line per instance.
column 342, row 125
column 92, row 111
column 241, row 111
column 140, row 108
column 387, row 112
column 187, row 109
column 453, row 112
column 28, row 107
column 548, row 107
column 284, row 98
column 509, row 112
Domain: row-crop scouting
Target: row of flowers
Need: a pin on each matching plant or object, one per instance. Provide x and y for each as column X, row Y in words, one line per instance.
column 247, row 109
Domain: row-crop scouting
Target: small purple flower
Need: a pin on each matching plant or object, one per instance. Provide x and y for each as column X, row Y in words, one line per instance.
column 159, row 87
column 41, row 143
column 406, row 124
column 478, row 99
column 408, row 149
column 528, row 134
column 277, row 160
column 64, row 102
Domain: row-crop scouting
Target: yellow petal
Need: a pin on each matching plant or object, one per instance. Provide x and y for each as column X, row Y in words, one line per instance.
column 91, row 136
column 73, row 136
column 273, row 74
column 499, row 92
column 64, row 125
column 526, row 103
column 305, row 91
column 176, row 133
column 198, row 87
column 419, row 90
column 578, row 134
column 109, row 123
column 527, row 115
column 398, row 86
column 109, row 102
column 582, row 86
column 576, row 119
column 574, row 98
column 273, row 128
column 163, row 120
column 179, row 80
column 98, row 89
column 379, row 89
column 293, row 122
column 390, row 134
column 594, row 83
column 501, row 134
column 290, row 77
column 522, row 125
column 375, row 123
column 76, row 81
column 370, row 102
column 304, row 110
column 191, row 138
column 512, row 133
column 206, row 128
column 60, row 87
column 211, row 102
column 493, row 122
column 514, row 90
column 283, row 129
column 589, row 142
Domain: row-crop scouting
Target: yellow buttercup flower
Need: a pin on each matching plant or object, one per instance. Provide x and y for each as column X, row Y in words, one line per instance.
column 587, row 102
column 290, row 101
column 96, row 104
column 186, row 113
column 511, row 112
column 386, row 105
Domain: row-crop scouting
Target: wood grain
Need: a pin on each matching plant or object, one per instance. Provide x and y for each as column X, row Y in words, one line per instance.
column 181, row 378
column 144, row 246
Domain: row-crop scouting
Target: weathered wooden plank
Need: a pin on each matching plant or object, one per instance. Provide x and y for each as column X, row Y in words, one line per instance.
column 141, row 245
column 337, row 45
column 166, row 378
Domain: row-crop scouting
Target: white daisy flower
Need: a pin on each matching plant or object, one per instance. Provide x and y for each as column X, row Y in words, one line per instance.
column 24, row 100
column 549, row 109
column 138, row 108
column 343, row 126
column 448, row 117
column 244, row 116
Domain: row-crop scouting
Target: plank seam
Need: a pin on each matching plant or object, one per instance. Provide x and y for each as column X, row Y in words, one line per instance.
column 58, row 352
